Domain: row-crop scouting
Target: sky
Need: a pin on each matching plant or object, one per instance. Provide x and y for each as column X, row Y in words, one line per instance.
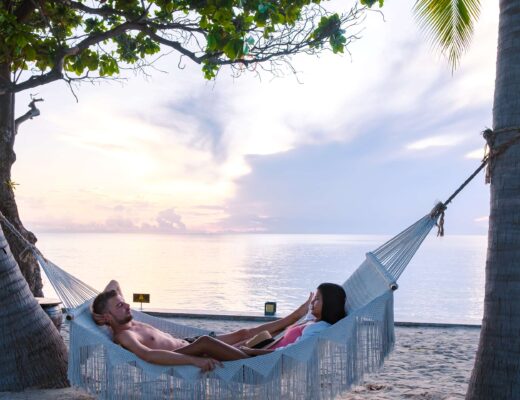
column 366, row 142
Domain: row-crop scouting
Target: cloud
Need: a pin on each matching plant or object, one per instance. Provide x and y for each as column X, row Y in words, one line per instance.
column 333, row 189
column 477, row 154
column 342, row 151
column 170, row 221
column 434, row 141
column 195, row 121
column 166, row 221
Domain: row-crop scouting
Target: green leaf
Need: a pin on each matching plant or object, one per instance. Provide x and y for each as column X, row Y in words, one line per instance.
column 210, row 70
column 30, row 53
column 370, row 3
column 234, row 49
column 448, row 24
column 169, row 8
column 211, row 44
column 93, row 63
column 21, row 40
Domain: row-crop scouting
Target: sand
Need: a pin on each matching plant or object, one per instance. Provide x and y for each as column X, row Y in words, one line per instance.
column 427, row 363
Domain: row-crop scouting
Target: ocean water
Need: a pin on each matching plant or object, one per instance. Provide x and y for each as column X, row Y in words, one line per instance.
column 238, row 273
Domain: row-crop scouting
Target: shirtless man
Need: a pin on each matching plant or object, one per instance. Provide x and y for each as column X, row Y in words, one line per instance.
column 157, row 347
column 153, row 345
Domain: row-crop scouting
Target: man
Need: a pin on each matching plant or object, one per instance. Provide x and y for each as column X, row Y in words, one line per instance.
column 157, row 347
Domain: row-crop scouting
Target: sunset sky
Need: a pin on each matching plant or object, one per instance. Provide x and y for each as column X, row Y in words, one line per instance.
column 359, row 143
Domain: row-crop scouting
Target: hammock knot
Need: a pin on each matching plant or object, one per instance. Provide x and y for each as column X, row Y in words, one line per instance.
column 492, row 152
column 437, row 213
column 24, row 254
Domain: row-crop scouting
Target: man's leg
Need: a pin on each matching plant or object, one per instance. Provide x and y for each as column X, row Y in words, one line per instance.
column 273, row 327
column 214, row 348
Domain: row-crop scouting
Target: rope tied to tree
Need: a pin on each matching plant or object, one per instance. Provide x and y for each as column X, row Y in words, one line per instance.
column 28, row 245
column 493, row 152
column 490, row 155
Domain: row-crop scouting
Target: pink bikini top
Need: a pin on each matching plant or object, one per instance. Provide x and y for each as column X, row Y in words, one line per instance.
column 290, row 336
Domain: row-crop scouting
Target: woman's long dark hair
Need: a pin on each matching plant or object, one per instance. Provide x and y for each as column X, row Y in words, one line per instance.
column 334, row 298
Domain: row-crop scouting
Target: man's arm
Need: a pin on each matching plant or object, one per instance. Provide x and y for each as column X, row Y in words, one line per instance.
column 114, row 285
column 163, row 357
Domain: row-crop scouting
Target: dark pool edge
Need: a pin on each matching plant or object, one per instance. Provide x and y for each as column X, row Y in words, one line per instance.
column 232, row 316
column 434, row 325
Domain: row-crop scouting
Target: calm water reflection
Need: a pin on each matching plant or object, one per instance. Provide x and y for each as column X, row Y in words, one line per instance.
column 443, row 283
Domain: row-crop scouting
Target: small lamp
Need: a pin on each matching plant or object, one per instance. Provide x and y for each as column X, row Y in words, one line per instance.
column 270, row 308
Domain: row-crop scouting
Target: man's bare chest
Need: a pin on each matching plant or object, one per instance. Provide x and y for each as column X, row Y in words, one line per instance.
column 156, row 339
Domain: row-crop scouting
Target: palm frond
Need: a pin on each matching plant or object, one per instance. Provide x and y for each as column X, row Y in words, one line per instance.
column 448, row 24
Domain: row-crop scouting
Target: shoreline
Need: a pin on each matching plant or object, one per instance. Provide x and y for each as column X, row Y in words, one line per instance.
column 259, row 317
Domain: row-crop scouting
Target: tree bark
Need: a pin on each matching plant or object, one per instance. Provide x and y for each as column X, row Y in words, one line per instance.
column 28, row 264
column 32, row 351
column 496, row 374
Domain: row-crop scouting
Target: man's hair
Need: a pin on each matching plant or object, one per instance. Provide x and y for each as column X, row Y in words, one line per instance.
column 334, row 298
column 100, row 302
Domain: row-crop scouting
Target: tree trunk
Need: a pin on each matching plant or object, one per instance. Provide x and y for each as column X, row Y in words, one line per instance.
column 28, row 264
column 496, row 374
column 32, row 351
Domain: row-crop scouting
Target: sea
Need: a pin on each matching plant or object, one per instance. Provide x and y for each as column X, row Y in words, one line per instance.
column 238, row 273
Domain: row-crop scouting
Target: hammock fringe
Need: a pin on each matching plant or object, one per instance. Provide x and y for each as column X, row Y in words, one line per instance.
column 322, row 368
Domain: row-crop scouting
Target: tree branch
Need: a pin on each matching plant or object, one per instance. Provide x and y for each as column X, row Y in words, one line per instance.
column 56, row 72
column 170, row 43
column 33, row 112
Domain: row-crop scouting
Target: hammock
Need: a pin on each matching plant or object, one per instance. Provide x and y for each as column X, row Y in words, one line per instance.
column 320, row 367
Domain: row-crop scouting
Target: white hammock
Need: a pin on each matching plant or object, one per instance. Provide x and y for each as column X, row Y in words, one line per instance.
column 320, row 367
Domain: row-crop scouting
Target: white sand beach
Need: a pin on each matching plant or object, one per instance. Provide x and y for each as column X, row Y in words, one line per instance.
column 427, row 363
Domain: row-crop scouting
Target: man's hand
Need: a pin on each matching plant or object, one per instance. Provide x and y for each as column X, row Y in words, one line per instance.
column 114, row 285
column 206, row 364
column 99, row 319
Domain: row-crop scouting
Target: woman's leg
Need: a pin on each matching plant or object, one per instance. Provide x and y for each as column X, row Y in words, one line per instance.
column 211, row 347
column 273, row 327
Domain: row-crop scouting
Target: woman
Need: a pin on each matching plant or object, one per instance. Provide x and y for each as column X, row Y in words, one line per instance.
column 327, row 307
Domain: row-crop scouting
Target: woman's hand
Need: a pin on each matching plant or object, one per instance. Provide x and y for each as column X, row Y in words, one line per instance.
column 304, row 308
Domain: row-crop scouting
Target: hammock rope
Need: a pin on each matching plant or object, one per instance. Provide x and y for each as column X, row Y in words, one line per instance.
column 398, row 251
column 488, row 159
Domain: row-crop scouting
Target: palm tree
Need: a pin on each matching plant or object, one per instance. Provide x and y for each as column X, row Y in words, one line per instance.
column 449, row 24
column 33, row 353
